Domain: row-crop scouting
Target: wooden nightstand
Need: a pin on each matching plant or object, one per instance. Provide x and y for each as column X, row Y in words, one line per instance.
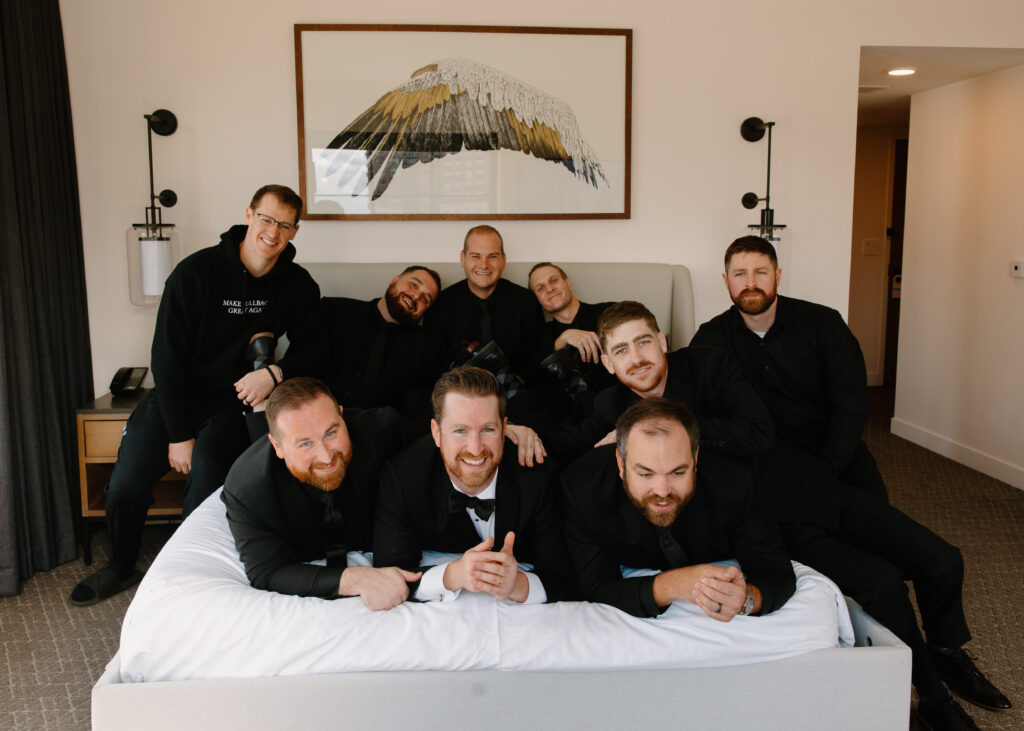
column 100, row 424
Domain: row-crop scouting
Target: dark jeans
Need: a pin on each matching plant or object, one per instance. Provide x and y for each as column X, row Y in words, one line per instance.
column 874, row 550
column 142, row 461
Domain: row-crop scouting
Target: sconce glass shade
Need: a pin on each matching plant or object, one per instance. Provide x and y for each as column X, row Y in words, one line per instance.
column 153, row 251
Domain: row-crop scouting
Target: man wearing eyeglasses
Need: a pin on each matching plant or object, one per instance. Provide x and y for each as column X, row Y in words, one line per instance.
column 218, row 306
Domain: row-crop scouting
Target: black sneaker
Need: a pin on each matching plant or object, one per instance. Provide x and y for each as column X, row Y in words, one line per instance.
column 957, row 668
column 945, row 715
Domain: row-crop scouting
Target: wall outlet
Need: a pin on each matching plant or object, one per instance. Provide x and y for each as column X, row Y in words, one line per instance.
column 1017, row 269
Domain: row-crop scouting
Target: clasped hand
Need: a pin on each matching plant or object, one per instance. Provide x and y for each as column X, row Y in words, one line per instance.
column 482, row 570
column 720, row 592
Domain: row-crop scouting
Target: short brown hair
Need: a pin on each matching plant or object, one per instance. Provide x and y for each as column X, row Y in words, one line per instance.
column 420, row 268
column 484, row 229
column 468, row 381
column 283, row 193
column 754, row 245
column 293, row 393
column 652, row 414
column 620, row 312
column 535, row 267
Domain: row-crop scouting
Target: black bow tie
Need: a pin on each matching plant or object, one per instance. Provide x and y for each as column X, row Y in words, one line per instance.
column 460, row 501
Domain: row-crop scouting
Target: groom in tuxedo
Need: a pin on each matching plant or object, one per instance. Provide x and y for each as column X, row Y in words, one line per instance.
column 461, row 491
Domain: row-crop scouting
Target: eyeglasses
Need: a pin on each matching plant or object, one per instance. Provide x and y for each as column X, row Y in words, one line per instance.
column 267, row 220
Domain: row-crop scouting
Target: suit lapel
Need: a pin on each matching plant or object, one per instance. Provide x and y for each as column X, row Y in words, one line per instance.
column 506, row 505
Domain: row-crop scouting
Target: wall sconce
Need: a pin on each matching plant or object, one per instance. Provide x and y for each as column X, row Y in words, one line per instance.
column 153, row 247
column 752, row 130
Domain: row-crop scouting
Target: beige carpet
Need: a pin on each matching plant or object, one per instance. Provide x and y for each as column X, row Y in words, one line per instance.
column 53, row 652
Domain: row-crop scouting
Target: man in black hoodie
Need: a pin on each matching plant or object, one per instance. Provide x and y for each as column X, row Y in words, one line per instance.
column 216, row 302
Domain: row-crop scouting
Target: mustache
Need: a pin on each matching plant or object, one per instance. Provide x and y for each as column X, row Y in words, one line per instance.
column 754, row 290
column 638, row 366
column 326, row 465
column 466, row 454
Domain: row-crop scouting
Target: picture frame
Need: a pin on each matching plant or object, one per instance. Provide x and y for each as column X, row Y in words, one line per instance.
column 441, row 122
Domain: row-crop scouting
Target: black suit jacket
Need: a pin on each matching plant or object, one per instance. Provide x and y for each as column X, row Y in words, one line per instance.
column 278, row 522
column 413, row 515
column 725, row 519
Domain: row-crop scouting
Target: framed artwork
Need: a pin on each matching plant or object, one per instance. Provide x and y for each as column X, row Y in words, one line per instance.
column 415, row 122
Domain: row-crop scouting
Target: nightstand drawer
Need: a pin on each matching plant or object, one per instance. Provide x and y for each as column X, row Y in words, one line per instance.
column 102, row 438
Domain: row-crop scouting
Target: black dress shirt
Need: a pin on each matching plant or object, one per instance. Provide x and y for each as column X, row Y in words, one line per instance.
column 369, row 362
column 809, row 370
column 515, row 316
column 724, row 520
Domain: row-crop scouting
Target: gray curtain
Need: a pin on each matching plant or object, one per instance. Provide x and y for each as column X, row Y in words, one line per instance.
column 46, row 368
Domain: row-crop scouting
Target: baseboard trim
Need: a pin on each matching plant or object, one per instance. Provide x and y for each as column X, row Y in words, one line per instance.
column 985, row 463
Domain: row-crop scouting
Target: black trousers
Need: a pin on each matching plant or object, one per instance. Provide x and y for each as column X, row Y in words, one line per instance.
column 142, row 461
column 862, row 472
column 870, row 555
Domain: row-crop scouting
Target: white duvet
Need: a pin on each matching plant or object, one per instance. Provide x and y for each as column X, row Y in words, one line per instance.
column 195, row 616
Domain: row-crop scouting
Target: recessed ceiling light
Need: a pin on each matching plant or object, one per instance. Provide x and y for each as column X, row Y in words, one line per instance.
column 902, row 72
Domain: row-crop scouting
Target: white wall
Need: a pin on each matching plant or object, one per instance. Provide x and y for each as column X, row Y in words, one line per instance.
column 958, row 383
column 870, row 250
column 227, row 70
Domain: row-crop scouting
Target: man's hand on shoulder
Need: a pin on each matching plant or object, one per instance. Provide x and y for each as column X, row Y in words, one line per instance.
column 585, row 341
column 609, row 438
column 179, row 455
column 254, row 387
column 531, row 448
column 379, row 588
column 495, row 572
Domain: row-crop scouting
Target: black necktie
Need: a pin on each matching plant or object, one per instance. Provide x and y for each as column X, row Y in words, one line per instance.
column 460, row 501
column 670, row 548
column 486, row 335
column 334, row 533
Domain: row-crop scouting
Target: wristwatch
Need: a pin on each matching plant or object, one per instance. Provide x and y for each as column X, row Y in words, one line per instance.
column 748, row 606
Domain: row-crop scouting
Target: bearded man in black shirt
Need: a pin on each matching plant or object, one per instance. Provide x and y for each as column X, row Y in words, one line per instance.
column 824, row 487
column 374, row 353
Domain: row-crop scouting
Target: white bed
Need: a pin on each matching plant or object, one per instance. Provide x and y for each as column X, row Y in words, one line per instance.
column 214, row 652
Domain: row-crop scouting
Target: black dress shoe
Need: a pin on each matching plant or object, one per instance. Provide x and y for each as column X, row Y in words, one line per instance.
column 945, row 715
column 957, row 668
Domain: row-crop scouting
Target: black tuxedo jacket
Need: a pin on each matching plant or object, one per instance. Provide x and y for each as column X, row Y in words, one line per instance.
column 725, row 519
column 413, row 516
column 278, row 522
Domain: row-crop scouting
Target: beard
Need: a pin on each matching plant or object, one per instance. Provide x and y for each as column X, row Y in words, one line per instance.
column 479, row 477
column 397, row 310
column 755, row 305
column 662, row 518
column 326, row 482
column 648, row 381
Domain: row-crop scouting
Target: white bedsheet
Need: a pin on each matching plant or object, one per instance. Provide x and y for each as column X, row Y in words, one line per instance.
column 195, row 616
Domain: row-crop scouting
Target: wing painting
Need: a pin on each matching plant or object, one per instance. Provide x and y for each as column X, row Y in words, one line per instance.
column 458, row 104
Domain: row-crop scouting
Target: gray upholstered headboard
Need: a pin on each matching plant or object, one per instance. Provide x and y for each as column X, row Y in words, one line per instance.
column 664, row 288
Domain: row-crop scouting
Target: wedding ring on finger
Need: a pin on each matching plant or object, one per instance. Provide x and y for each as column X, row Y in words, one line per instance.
column 501, row 580
column 719, row 610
